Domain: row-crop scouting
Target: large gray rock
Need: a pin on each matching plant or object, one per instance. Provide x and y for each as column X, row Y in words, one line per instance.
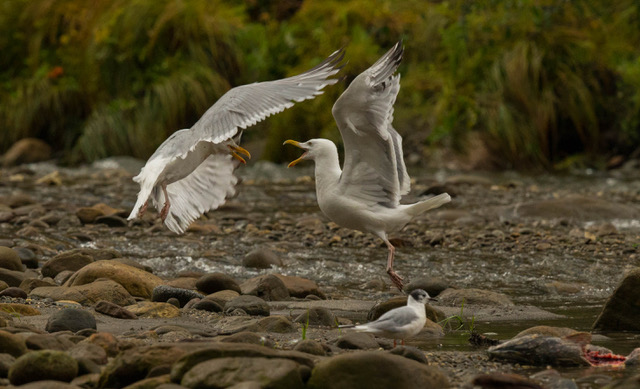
column 372, row 370
column 70, row 319
column 225, row 372
column 43, row 365
column 621, row 312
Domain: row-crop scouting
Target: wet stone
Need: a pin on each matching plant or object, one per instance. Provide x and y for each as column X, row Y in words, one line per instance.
column 410, row 352
column 208, row 305
column 12, row 344
column 268, row 287
column 43, row 365
column 9, row 259
column 70, row 319
column 71, row 261
column 433, row 286
column 162, row 293
column 48, row 342
column 12, row 277
column 6, row 360
column 261, row 258
column 30, row 284
column 114, row 310
column 175, row 302
column 310, row 346
column 250, row 338
column 317, row 316
column 356, row 341
column 252, row 305
column 215, row 282
column 28, row 257
column 13, row 292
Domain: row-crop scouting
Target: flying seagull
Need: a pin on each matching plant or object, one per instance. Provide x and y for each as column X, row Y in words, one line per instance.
column 402, row 322
column 365, row 194
column 192, row 171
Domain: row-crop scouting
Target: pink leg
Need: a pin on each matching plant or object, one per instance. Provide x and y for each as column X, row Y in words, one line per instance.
column 394, row 343
column 143, row 209
column 165, row 210
column 402, row 342
column 395, row 278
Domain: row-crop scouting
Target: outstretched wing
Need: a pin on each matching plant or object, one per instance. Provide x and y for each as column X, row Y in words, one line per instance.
column 205, row 189
column 246, row 105
column 374, row 169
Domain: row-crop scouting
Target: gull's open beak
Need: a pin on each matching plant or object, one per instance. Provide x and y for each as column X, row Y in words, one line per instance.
column 299, row 145
column 237, row 150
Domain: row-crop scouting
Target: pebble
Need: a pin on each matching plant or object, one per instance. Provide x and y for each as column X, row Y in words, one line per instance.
column 114, row 310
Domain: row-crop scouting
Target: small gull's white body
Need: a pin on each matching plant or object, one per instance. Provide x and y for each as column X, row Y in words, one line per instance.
column 365, row 193
column 192, row 171
column 400, row 323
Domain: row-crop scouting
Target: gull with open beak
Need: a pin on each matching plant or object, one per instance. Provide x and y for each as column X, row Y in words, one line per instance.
column 192, row 171
column 365, row 193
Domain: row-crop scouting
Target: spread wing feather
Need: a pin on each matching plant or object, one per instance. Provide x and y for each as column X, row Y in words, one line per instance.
column 374, row 169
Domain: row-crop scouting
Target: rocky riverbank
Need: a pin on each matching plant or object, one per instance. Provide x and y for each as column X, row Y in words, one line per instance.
column 252, row 294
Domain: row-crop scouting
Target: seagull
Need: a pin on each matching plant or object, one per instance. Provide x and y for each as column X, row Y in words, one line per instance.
column 192, row 171
column 365, row 194
column 402, row 322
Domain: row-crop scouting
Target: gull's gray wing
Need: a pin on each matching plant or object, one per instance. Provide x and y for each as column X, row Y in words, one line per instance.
column 245, row 105
column 394, row 320
column 205, row 189
column 374, row 169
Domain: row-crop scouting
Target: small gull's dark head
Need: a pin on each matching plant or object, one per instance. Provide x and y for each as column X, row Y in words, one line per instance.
column 420, row 296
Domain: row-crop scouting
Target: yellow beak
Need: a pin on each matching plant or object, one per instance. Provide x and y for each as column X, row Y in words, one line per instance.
column 297, row 144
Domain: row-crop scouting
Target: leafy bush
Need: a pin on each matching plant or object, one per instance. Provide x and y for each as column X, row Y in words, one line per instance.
column 538, row 83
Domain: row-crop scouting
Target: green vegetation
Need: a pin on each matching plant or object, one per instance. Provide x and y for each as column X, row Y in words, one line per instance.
column 539, row 82
column 458, row 322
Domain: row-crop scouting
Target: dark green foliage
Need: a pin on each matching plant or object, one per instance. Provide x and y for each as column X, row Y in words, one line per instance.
column 540, row 82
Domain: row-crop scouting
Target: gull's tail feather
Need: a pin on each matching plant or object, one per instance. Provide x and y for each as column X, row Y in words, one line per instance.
column 423, row 206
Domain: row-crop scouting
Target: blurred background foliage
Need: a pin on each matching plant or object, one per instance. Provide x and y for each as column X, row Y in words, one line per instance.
column 537, row 82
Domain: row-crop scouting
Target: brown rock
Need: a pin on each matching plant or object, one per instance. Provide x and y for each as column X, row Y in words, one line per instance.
column 150, row 309
column 137, row 282
column 68, row 260
column 114, row 310
column 9, row 259
column 89, row 294
column 26, row 150
column 300, row 287
column 19, row 309
column 267, row 287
